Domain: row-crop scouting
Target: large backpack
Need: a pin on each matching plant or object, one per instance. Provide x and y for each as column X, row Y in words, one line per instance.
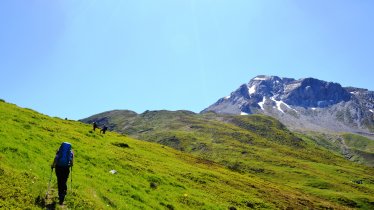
column 64, row 155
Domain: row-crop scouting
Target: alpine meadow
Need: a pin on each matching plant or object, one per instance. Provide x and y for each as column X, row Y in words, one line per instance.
column 211, row 162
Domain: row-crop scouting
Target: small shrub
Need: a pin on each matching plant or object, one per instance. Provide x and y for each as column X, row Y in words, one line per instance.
column 347, row 202
column 137, row 198
column 250, row 204
column 122, row 145
column 27, row 126
column 170, row 207
column 320, row 185
column 153, row 185
column 257, row 170
column 237, row 167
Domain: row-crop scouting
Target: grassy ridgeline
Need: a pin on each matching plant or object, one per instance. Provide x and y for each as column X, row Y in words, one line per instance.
column 152, row 176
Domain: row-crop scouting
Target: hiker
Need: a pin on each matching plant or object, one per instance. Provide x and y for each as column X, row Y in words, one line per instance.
column 104, row 129
column 62, row 162
column 94, row 126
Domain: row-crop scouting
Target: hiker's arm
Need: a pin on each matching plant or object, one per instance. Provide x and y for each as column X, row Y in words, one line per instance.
column 54, row 162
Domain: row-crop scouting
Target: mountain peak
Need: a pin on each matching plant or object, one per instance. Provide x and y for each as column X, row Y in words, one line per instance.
column 289, row 98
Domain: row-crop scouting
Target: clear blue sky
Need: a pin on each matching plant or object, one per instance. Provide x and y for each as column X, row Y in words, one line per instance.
column 70, row 58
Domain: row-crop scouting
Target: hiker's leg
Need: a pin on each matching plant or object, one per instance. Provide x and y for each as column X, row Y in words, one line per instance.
column 60, row 183
column 62, row 177
column 65, row 175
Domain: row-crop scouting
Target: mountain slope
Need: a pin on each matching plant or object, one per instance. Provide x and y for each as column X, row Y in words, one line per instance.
column 180, row 181
column 306, row 104
column 150, row 176
column 254, row 146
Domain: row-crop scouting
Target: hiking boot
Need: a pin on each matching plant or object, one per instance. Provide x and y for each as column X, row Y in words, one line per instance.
column 61, row 199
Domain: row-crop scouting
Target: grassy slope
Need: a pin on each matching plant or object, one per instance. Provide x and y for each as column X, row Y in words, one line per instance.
column 28, row 141
column 361, row 147
column 355, row 147
column 257, row 146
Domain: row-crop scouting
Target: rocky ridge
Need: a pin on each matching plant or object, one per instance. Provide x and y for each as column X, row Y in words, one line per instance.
column 307, row 103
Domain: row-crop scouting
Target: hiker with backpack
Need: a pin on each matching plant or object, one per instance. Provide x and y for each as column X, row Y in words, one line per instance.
column 103, row 130
column 62, row 163
column 94, row 126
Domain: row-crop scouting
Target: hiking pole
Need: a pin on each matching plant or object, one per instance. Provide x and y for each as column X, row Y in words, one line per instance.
column 71, row 179
column 49, row 183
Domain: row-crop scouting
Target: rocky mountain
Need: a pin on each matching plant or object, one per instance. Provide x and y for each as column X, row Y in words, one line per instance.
column 303, row 104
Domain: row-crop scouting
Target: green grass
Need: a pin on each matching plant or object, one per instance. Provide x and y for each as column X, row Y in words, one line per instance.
column 257, row 146
column 355, row 147
column 237, row 165
column 361, row 148
column 359, row 142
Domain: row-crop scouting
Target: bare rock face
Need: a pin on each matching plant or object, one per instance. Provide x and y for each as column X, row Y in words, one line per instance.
column 306, row 103
column 315, row 93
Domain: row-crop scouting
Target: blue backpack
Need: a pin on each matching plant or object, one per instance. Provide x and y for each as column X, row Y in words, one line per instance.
column 64, row 155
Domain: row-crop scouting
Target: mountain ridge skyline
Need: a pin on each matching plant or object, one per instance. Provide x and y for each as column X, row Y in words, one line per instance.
column 349, row 87
column 307, row 103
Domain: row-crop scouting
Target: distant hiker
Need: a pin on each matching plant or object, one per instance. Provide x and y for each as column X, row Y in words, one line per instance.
column 104, row 129
column 94, row 125
column 358, row 181
column 62, row 162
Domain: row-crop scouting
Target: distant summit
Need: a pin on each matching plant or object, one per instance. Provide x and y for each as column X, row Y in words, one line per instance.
column 306, row 103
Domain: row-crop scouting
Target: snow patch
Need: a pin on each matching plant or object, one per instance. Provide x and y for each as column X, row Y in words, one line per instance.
column 244, row 113
column 252, row 90
column 314, row 108
column 261, row 104
column 372, row 111
column 279, row 103
column 227, row 97
column 260, row 78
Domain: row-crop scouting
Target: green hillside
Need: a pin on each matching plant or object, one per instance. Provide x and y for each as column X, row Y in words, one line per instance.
column 357, row 148
column 362, row 148
column 253, row 145
column 255, row 170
